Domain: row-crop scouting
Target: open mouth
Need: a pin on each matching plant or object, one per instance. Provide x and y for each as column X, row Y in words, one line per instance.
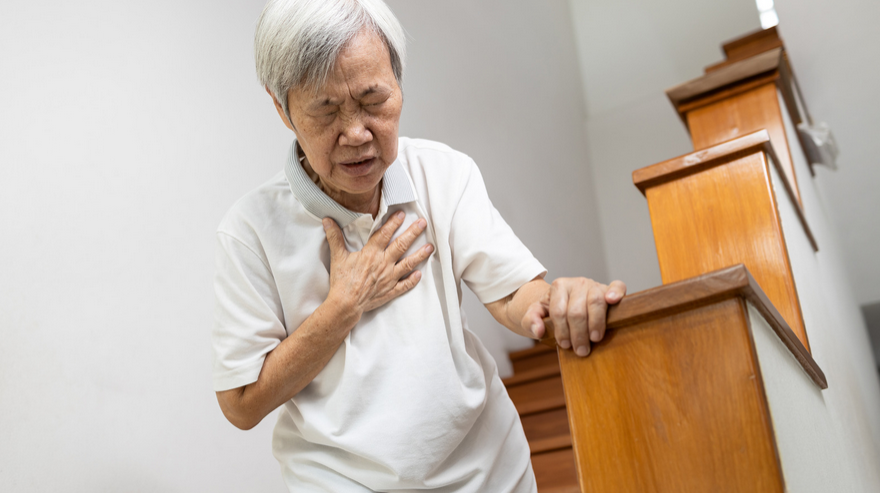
column 358, row 167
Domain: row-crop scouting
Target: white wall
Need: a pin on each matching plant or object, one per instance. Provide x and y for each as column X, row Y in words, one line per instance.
column 129, row 129
column 833, row 48
column 850, row 406
column 630, row 53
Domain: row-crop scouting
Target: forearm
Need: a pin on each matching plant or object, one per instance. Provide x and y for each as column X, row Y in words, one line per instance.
column 509, row 311
column 291, row 366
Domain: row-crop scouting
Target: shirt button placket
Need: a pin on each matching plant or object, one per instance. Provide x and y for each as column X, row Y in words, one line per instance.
column 363, row 225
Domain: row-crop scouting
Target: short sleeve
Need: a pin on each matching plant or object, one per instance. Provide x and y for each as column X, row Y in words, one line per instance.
column 248, row 316
column 486, row 254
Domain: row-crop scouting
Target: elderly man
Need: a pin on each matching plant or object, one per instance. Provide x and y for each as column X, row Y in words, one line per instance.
column 339, row 280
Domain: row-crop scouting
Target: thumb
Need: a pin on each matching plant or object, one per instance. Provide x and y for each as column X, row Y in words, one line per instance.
column 334, row 238
column 533, row 320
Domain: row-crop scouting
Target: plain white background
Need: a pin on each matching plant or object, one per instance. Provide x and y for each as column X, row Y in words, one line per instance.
column 128, row 129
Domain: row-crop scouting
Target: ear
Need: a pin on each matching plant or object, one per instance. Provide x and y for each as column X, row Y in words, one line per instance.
column 279, row 109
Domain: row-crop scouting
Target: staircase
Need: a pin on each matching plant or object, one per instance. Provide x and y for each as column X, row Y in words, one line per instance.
column 707, row 383
column 536, row 390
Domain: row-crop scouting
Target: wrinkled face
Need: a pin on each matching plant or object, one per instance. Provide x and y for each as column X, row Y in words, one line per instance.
column 348, row 127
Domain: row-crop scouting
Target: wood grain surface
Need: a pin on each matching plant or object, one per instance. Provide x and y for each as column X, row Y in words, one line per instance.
column 677, row 297
column 731, row 74
column 748, row 46
column 742, row 114
column 555, row 471
column 537, row 396
column 724, row 215
column 538, row 356
column 697, row 161
column 530, row 375
column 671, row 399
column 673, row 404
column 536, row 391
column 548, row 424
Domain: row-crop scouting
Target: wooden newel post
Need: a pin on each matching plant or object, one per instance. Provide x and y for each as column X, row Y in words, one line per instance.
column 721, row 204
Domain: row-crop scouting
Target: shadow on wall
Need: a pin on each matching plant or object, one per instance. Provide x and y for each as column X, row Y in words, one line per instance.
column 871, row 312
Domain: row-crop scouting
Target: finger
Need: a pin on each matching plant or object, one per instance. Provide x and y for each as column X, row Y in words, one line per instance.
column 334, row 238
column 577, row 317
column 559, row 314
column 401, row 287
column 409, row 263
column 533, row 320
column 597, row 308
column 403, row 242
column 381, row 238
column 616, row 292
column 404, row 285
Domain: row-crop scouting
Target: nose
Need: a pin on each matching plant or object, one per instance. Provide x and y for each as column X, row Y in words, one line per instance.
column 354, row 132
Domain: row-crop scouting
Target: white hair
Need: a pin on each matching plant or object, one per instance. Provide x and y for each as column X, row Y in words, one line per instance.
column 297, row 41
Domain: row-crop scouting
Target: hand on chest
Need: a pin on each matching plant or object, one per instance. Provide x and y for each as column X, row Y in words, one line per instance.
column 358, row 232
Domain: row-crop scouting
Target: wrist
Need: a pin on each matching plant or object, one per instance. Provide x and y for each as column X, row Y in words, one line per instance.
column 342, row 310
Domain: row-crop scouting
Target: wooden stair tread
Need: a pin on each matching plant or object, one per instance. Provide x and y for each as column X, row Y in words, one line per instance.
column 550, row 443
column 531, row 375
column 532, row 351
column 555, row 471
column 562, row 489
column 538, row 406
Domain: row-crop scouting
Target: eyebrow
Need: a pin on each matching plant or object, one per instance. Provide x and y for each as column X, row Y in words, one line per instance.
column 329, row 102
column 323, row 102
column 370, row 90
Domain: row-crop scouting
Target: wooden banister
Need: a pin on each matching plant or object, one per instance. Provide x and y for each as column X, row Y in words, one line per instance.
column 672, row 398
column 670, row 299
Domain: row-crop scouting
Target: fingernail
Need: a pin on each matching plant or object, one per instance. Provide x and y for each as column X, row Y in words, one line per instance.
column 429, row 248
column 326, row 223
column 417, row 275
column 422, row 223
column 613, row 295
column 400, row 215
column 594, row 336
column 582, row 351
column 565, row 344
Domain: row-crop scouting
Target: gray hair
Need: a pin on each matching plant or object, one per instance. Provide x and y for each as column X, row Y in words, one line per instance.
column 297, row 41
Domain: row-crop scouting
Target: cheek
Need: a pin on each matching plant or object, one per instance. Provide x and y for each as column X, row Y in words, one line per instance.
column 318, row 149
column 386, row 127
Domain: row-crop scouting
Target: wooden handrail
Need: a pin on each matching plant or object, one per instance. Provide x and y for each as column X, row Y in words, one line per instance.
column 699, row 291
column 730, row 74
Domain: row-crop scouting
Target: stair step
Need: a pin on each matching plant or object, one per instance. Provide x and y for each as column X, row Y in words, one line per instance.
column 550, row 444
column 531, row 375
column 529, row 352
column 562, row 489
column 555, row 471
column 538, row 395
column 539, row 356
column 546, row 424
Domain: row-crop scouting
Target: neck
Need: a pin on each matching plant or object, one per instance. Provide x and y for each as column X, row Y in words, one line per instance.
column 365, row 203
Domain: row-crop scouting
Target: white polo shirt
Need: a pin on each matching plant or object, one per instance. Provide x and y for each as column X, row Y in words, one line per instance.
column 411, row 400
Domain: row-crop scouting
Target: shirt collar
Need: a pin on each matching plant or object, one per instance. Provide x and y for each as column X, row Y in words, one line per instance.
column 396, row 189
